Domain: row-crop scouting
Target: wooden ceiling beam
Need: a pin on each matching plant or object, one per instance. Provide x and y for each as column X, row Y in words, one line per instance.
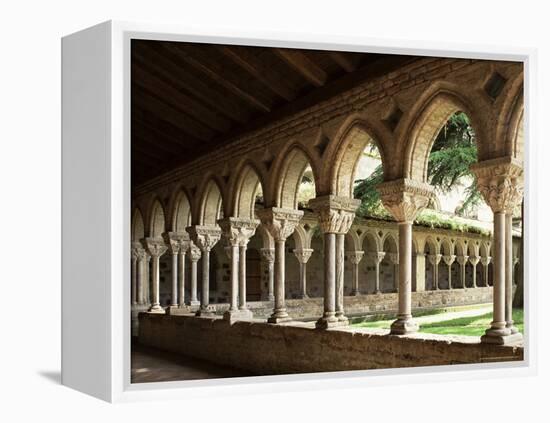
column 194, row 56
column 171, row 96
column 156, row 139
column 301, row 63
column 343, row 60
column 242, row 57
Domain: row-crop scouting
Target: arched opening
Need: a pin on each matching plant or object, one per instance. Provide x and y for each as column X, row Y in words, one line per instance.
column 296, row 181
column 446, row 277
column 157, row 225
column 431, row 250
column 211, row 204
column 248, row 193
column 390, row 265
column 181, row 214
column 370, row 264
column 138, row 227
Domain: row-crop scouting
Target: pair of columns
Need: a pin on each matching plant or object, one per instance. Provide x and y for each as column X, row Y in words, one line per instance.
column 355, row 258
column 500, row 181
column 237, row 232
column 336, row 216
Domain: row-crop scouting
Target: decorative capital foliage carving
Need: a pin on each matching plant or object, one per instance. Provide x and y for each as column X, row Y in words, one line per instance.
column 336, row 214
column 449, row 259
column 500, row 181
column 279, row 222
column 155, row 246
column 355, row 256
column 268, row 254
column 137, row 251
column 237, row 230
column 474, row 260
column 205, row 237
column 434, row 259
column 376, row 257
column 462, row 260
column 485, row 260
column 194, row 253
column 303, row 255
column 178, row 242
column 394, row 257
column 405, row 198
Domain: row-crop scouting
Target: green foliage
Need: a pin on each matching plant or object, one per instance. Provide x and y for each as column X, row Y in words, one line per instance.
column 453, row 152
column 433, row 219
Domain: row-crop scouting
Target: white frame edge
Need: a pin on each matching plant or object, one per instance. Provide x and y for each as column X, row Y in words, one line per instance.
column 109, row 378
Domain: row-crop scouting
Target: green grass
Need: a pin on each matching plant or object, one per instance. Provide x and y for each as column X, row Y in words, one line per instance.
column 472, row 326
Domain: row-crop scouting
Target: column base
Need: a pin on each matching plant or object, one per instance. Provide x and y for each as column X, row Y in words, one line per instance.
column 271, row 297
column 403, row 326
column 329, row 321
column 156, row 309
column 303, row 297
column 235, row 315
column 279, row 316
column 513, row 329
column 492, row 338
column 355, row 293
column 207, row 311
column 342, row 318
column 193, row 303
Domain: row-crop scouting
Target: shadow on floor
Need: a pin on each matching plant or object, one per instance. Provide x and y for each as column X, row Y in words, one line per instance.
column 54, row 376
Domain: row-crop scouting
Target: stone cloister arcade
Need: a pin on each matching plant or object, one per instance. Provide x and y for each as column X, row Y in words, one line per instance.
column 245, row 193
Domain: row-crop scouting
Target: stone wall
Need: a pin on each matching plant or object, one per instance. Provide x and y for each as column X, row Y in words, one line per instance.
column 266, row 349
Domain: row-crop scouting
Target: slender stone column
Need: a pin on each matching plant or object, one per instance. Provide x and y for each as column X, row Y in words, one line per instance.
column 303, row 255
column 156, row 248
column 394, row 259
column 377, row 259
column 404, row 198
column 500, row 181
column 147, row 279
column 434, row 260
column 174, row 248
column 485, row 263
column 141, row 280
column 194, row 256
column 205, row 237
column 509, row 269
column 184, row 247
column 449, row 260
column 474, row 260
column 355, row 258
column 336, row 216
column 136, row 253
column 280, row 223
column 420, row 272
column 462, row 260
column 268, row 256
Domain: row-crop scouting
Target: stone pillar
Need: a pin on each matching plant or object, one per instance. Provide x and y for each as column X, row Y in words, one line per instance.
column 404, row 198
column 268, row 257
column 184, row 247
column 205, row 237
column 449, row 260
column 280, row 223
column 474, row 260
column 237, row 232
column 434, row 260
column 156, row 248
column 147, row 279
column 194, row 256
column 141, row 277
column 355, row 258
column 394, row 259
column 420, row 272
column 136, row 271
column 509, row 270
column 174, row 247
column 377, row 259
column 303, row 255
column 485, row 263
column 500, row 181
column 336, row 216
column 462, row 260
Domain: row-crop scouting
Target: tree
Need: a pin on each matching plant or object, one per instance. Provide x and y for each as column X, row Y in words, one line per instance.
column 453, row 152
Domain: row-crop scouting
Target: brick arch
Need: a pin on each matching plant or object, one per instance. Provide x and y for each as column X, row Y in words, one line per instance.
column 509, row 110
column 345, row 151
column 157, row 219
column 288, row 176
column 210, row 203
column 244, row 189
column 426, row 120
column 514, row 137
column 181, row 211
column 138, row 226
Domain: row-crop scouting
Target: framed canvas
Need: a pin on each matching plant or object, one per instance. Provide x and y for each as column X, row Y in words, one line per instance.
column 266, row 212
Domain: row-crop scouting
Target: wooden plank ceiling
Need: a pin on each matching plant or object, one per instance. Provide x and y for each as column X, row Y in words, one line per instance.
column 189, row 98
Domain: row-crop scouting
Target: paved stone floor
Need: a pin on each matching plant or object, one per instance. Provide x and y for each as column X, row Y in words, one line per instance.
column 151, row 365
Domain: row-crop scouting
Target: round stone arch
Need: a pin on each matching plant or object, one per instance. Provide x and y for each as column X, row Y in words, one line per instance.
column 425, row 121
column 514, row 137
column 352, row 240
column 302, row 235
column 473, row 248
column 345, row 151
column 244, row 188
column 267, row 240
column 432, row 246
column 138, row 226
column 509, row 110
column 372, row 241
column 447, row 246
column 181, row 214
column 485, row 249
column 461, row 246
column 390, row 240
column 210, row 205
column 287, row 176
column 157, row 219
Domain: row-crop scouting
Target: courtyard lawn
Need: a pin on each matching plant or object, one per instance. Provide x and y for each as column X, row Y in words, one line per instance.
column 468, row 325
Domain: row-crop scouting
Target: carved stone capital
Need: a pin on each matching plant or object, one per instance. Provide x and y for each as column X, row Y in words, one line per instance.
column 355, row 256
column 336, row 214
column 303, row 254
column 205, row 237
column 434, row 259
column 177, row 242
column 268, row 254
column 280, row 223
column 393, row 257
column 405, row 198
column 137, row 251
column 474, row 260
column 462, row 260
column 237, row 230
column 485, row 260
column 500, row 181
column 516, row 260
column 194, row 253
column 376, row 257
column 449, row 259
column 156, row 246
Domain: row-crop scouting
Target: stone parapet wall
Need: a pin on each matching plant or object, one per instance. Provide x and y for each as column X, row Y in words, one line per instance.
column 266, row 349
